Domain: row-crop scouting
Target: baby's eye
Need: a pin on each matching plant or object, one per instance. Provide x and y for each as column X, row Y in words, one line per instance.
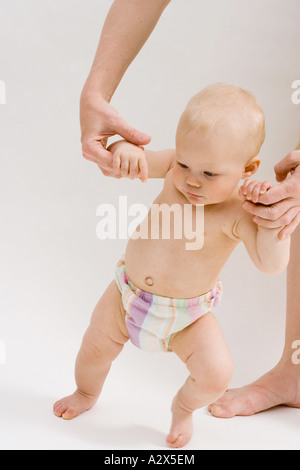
column 209, row 174
column 182, row 165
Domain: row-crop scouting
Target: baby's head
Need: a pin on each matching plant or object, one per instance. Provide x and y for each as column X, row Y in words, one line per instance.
column 218, row 138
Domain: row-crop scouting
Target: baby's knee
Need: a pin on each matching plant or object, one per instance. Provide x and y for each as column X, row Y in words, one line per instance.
column 103, row 349
column 223, row 376
column 220, row 376
column 214, row 377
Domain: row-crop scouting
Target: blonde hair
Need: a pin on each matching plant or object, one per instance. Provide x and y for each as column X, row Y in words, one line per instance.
column 228, row 107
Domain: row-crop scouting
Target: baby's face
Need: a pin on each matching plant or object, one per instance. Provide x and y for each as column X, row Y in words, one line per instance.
column 208, row 168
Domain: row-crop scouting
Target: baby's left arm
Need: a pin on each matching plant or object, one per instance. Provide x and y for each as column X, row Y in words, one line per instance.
column 270, row 254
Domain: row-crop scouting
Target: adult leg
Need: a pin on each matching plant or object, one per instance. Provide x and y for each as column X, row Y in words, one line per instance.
column 202, row 347
column 280, row 386
column 102, row 343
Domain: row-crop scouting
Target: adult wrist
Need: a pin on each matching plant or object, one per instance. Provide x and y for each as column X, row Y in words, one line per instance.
column 93, row 87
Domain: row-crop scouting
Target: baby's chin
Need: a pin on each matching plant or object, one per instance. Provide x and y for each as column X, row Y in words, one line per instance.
column 200, row 201
column 203, row 201
column 195, row 201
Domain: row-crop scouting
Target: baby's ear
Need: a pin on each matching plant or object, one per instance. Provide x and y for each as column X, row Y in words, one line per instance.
column 251, row 167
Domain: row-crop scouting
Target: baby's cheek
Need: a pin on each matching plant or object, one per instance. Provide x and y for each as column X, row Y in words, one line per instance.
column 221, row 192
column 176, row 177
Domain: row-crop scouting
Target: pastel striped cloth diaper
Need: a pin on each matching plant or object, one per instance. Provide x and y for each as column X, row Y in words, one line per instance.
column 152, row 319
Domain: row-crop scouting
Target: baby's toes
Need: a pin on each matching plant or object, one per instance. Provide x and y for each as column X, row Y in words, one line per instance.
column 177, row 441
column 59, row 408
column 70, row 413
column 171, row 438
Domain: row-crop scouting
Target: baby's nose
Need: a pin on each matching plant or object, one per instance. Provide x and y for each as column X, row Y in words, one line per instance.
column 192, row 181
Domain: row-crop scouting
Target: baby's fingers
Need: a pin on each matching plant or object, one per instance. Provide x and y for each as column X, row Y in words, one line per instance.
column 245, row 185
column 143, row 165
column 248, row 188
column 125, row 166
column 252, row 190
column 117, row 162
column 134, row 168
column 266, row 185
column 259, row 190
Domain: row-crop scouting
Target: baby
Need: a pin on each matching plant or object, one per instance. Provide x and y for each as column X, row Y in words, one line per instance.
column 164, row 294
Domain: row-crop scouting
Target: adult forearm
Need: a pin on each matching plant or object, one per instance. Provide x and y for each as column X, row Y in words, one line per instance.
column 127, row 27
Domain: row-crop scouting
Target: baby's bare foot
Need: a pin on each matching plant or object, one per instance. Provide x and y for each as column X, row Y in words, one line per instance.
column 73, row 405
column 181, row 428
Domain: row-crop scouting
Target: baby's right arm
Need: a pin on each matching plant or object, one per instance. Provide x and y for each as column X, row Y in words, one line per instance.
column 269, row 253
column 135, row 162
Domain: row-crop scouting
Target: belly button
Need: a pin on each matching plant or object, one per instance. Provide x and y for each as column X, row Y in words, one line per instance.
column 149, row 281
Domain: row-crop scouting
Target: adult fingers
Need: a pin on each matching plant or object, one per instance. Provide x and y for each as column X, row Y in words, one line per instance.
column 284, row 220
column 109, row 173
column 272, row 213
column 275, row 194
column 94, row 151
column 130, row 133
column 290, row 162
column 265, row 187
column 289, row 229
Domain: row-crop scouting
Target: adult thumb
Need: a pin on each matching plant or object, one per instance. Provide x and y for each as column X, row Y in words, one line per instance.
column 132, row 135
column 290, row 162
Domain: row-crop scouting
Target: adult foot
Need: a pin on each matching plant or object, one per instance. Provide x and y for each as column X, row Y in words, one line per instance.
column 181, row 428
column 280, row 386
column 73, row 405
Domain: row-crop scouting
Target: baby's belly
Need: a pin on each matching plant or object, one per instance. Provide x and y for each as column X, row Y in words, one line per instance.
column 166, row 268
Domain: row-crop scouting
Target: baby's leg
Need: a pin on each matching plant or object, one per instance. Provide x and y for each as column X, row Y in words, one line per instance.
column 102, row 342
column 202, row 347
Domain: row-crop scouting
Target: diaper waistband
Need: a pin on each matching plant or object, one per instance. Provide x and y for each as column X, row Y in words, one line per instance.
column 212, row 297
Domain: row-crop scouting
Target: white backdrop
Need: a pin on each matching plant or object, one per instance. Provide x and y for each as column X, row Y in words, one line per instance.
column 53, row 269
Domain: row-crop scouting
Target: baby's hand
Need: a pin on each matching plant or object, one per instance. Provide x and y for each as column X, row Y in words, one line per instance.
column 129, row 160
column 252, row 190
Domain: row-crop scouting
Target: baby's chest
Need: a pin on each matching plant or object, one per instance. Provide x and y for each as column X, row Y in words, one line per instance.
column 171, row 216
column 185, row 231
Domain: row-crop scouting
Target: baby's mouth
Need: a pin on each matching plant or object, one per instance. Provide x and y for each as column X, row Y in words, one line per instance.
column 196, row 196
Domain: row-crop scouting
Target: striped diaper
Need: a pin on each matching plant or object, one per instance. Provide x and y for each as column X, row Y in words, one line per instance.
column 151, row 319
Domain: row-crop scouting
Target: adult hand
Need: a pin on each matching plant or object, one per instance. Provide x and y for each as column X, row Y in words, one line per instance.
column 280, row 206
column 99, row 121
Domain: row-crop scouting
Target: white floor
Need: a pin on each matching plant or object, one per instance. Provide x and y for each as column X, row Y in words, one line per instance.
column 132, row 413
